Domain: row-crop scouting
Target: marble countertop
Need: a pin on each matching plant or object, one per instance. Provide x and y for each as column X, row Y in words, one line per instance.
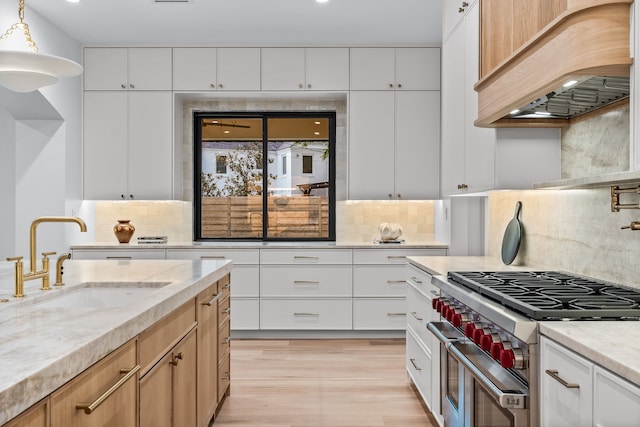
column 614, row 345
column 264, row 245
column 44, row 347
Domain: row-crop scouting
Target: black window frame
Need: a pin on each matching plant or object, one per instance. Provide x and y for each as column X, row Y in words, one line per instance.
column 198, row 116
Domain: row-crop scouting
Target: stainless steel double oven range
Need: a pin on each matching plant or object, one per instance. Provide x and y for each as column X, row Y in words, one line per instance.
column 488, row 337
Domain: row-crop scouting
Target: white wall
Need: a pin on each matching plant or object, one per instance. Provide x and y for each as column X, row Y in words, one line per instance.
column 43, row 164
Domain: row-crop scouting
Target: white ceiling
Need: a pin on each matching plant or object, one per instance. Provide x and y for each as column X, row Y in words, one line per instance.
column 246, row 22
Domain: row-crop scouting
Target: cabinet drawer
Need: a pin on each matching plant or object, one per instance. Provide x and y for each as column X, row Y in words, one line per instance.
column 421, row 280
column 224, row 377
column 246, row 314
column 305, row 314
column 162, row 336
column 616, row 401
column 419, row 368
column 379, row 281
column 224, row 310
column 119, row 408
column 391, row 256
column 119, row 254
column 305, row 256
column 379, row 313
column 292, row 281
column 246, row 281
column 419, row 312
column 575, row 403
column 238, row 256
column 224, row 339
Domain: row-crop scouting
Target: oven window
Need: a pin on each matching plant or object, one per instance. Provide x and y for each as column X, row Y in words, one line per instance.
column 453, row 381
column 487, row 413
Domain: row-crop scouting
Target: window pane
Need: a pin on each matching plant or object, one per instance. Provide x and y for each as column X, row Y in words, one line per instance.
column 298, row 202
column 231, row 177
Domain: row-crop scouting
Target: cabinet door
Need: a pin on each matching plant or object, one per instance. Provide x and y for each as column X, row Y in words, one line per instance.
column 207, row 341
column 372, row 68
column 417, row 68
column 150, row 152
column 419, row 368
column 184, row 382
column 119, row 406
column 105, row 69
column 417, row 149
column 283, row 69
column 156, row 394
column 566, row 392
column 371, row 145
column 105, row 145
column 239, row 69
column 150, row 68
column 327, row 68
column 479, row 142
column 194, row 68
column 379, row 314
column 616, row 401
column 36, row 416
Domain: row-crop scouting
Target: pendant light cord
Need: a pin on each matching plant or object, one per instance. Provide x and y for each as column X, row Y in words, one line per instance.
column 25, row 27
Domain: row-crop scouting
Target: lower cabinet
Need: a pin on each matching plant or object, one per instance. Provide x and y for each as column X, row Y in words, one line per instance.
column 103, row 395
column 419, row 364
column 224, row 339
column 308, row 313
column 575, row 391
column 207, row 334
column 36, row 416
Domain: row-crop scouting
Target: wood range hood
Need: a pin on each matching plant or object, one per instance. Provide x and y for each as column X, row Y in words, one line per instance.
column 587, row 41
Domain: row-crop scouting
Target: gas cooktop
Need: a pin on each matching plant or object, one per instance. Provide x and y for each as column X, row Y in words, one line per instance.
column 552, row 295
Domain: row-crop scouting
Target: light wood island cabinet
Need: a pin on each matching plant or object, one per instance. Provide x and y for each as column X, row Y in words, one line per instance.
column 36, row 416
column 207, row 333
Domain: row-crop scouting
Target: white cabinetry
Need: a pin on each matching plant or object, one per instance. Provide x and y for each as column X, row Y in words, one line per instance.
column 127, row 145
column 118, row 254
column 305, row 69
column 423, row 349
column 395, row 69
column 245, row 281
column 127, row 68
column 221, row 69
column 452, row 13
column 394, row 145
column 576, row 391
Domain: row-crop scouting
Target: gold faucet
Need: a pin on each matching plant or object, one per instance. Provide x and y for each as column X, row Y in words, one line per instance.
column 43, row 274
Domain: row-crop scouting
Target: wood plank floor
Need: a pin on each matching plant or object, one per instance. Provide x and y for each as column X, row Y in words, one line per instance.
column 336, row 383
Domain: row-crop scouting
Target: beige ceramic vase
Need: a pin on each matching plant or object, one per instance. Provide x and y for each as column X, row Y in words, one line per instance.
column 123, row 230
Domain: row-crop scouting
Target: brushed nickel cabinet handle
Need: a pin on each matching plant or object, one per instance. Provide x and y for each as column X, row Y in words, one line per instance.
column 212, row 257
column 300, row 257
column 396, row 257
column 414, row 314
column 306, row 314
column 396, row 281
column 88, row 408
column 396, row 314
column 118, row 257
column 228, row 310
column 553, row 373
column 415, row 279
column 413, row 362
column 227, row 340
column 306, row 282
column 212, row 300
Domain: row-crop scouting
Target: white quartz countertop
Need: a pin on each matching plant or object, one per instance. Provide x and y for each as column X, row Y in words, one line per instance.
column 44, row 347
column 614, row 345
column 432, row 244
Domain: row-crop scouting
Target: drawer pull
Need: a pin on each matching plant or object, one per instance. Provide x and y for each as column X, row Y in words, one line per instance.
column 213, row 257
column 413, row 362
column 553, row 373
column 306, row 314
column 415, row 279
column 118, row 257
column 227, row 376
column 88, row 408
column 435, row 293
column 396, row 281
column 396, row 314
column 227, row 286
column 307, row 258
column 306, row 282
column 214, row 299
column 227, row 340
column 228, row 310
column 396, row 257
column 414, row 314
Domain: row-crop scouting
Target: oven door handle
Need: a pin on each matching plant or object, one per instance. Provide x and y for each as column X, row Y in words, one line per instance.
column 507, row 400
column 445, row 333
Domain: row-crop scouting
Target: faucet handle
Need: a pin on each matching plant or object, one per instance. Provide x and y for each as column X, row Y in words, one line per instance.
column 15, row 258
column 46, row 254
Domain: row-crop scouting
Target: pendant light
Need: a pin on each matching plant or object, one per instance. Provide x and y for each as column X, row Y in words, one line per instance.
column 24, row 71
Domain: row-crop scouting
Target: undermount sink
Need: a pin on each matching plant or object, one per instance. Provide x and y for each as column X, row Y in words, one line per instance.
column 100, row 295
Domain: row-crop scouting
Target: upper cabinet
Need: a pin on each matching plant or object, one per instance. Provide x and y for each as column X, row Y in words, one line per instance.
column 395, row 69
column 127, row 68
column 524, row 84
column 305, row 69
column 452, row 13
column 221, row 69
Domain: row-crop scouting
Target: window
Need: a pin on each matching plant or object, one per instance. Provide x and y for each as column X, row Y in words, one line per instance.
column 221, row 164
column 307, row 164
column 264, row 176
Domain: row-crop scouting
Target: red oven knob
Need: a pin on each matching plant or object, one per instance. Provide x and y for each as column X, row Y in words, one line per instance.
column 507, row 358
column 458, row 319
column 477, row 335
column 485, row 342
column 434, row 303
column 439, row 305
column 450, row 313
column 496, row 348
column 469, row 328
column 445, row 309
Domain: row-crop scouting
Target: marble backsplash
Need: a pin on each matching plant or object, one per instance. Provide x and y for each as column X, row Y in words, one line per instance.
column 570, row 230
